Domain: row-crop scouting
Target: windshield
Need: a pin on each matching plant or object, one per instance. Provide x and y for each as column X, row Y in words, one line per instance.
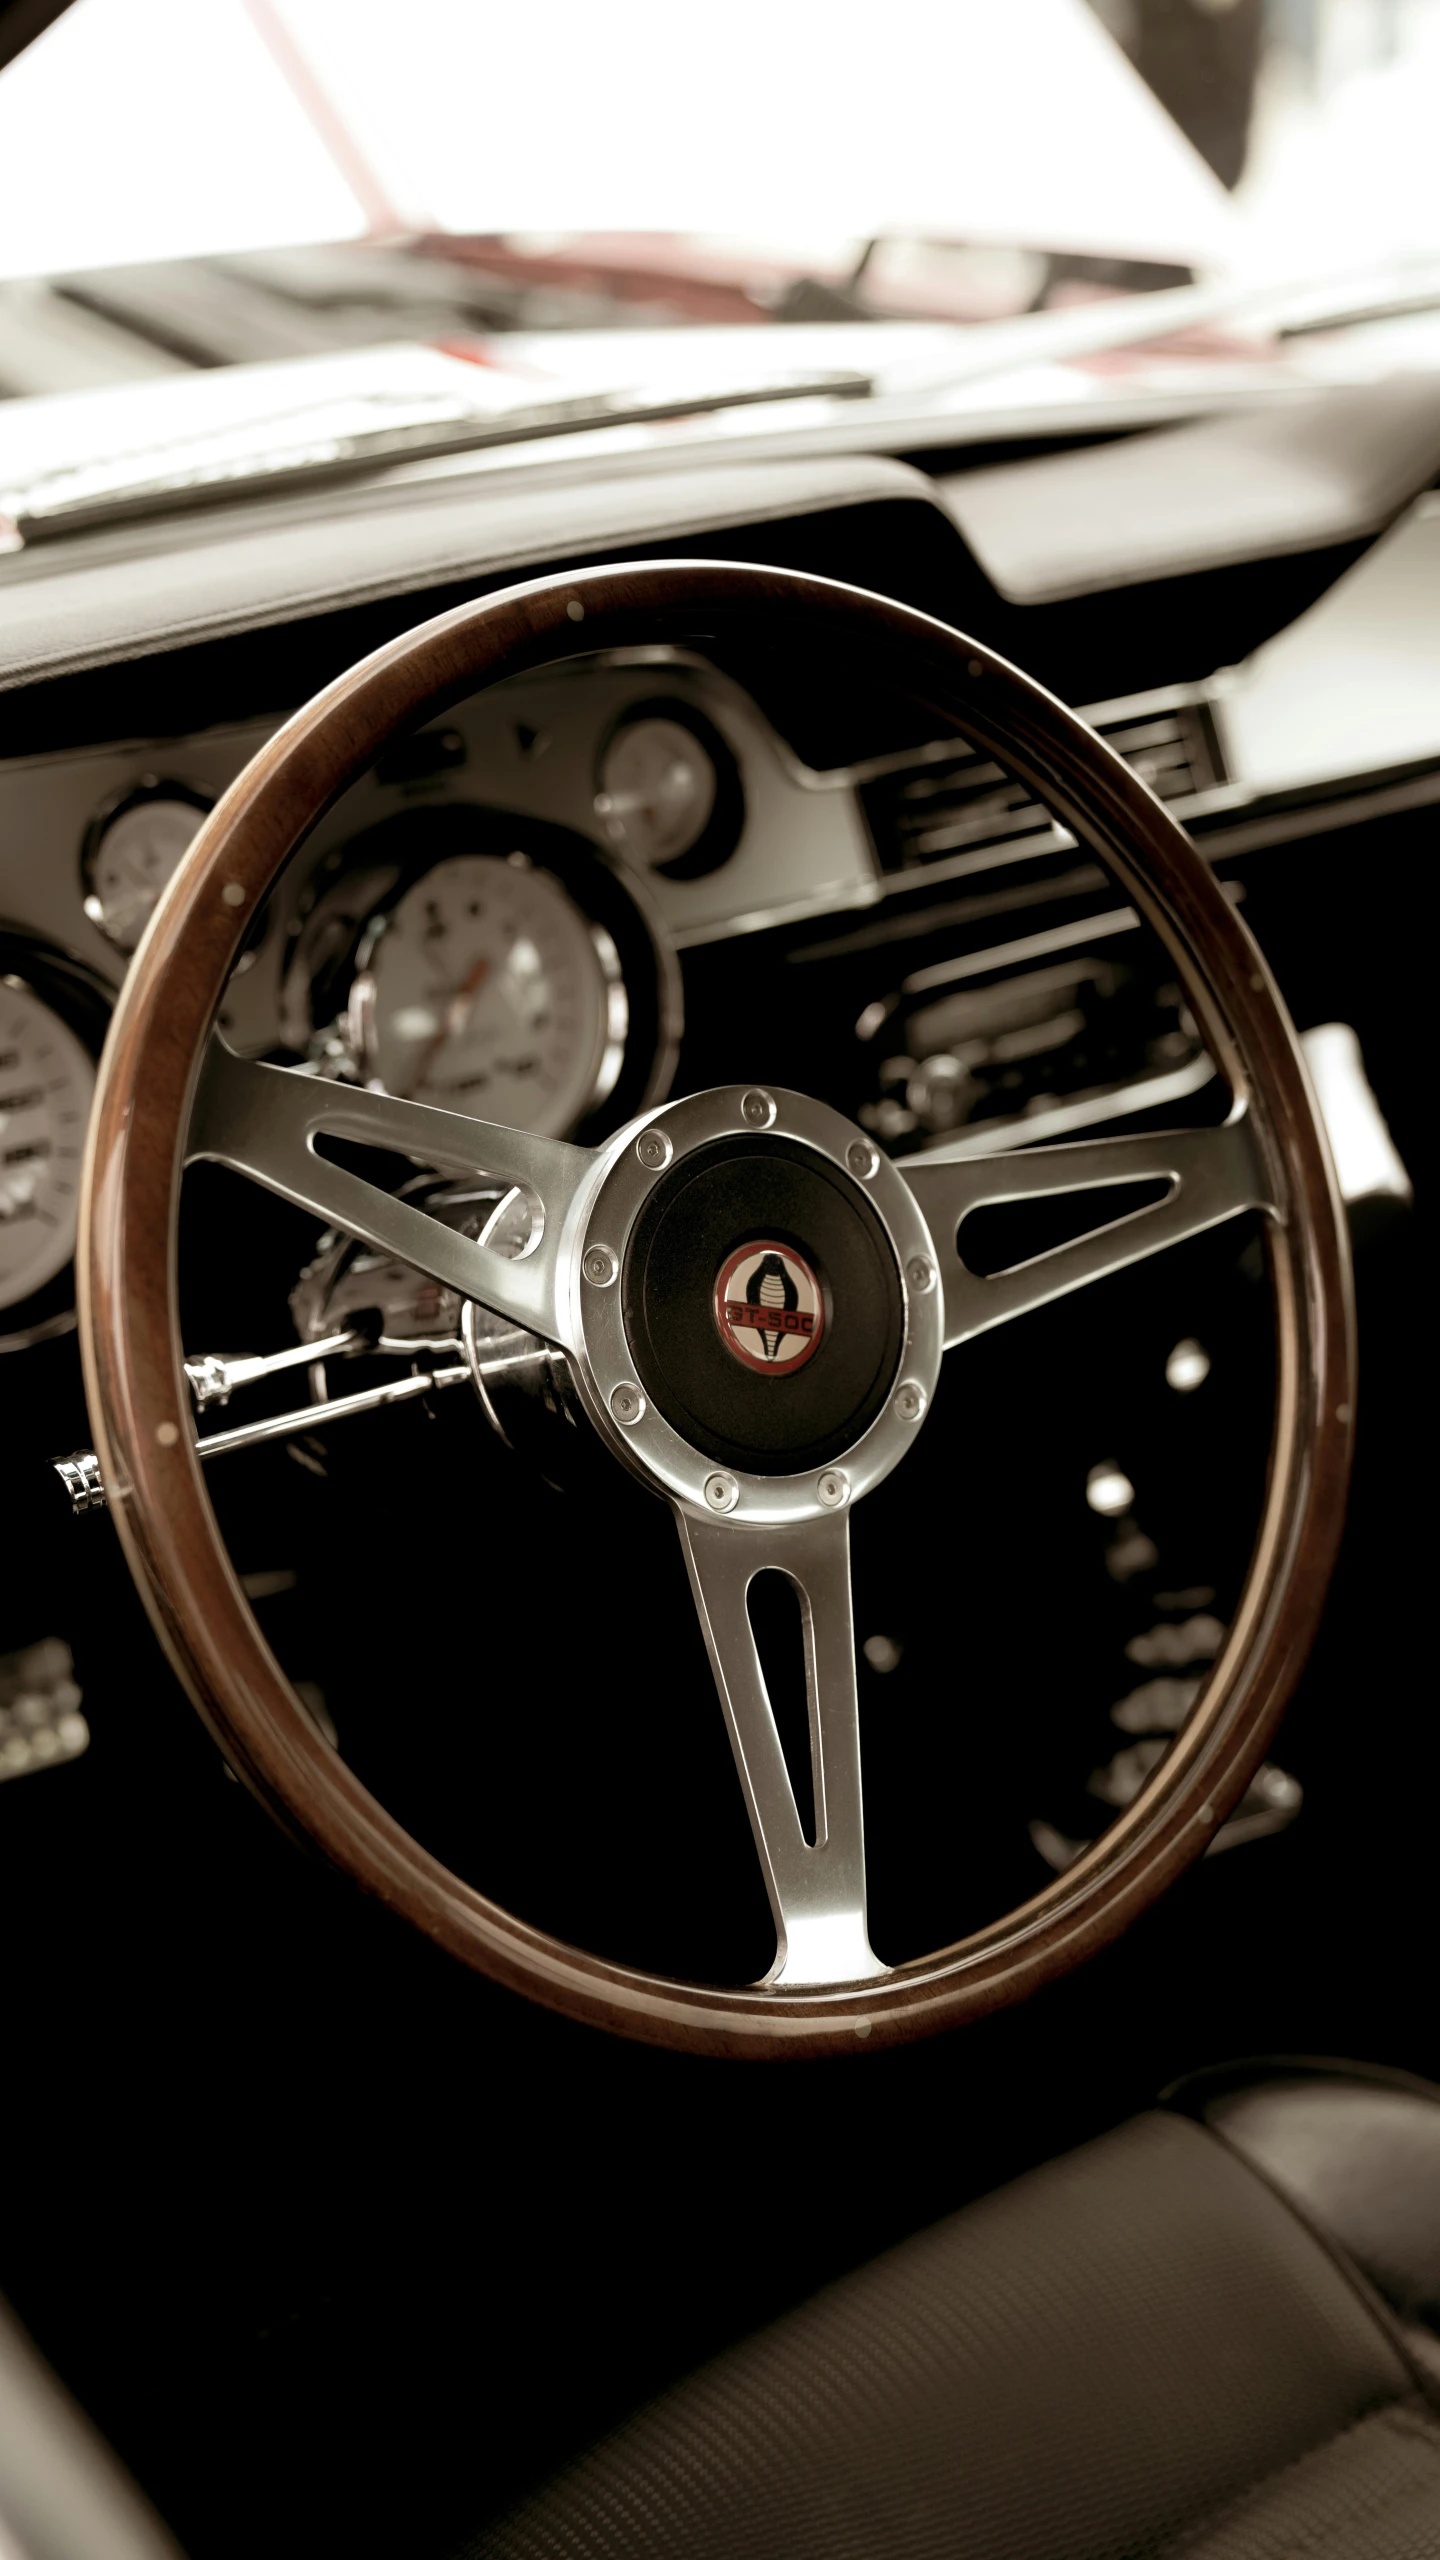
column 472, row 167
column 481, row 225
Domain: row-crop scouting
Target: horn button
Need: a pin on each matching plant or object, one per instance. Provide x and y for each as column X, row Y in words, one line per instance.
column 763, row 1305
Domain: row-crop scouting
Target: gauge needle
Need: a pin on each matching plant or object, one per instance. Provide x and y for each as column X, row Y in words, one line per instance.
column 453, row 1021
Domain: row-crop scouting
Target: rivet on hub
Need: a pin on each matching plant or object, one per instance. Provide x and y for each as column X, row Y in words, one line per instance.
column 628, row 1406
column 721, row 1491
column 757, row 1109
column 599, row 1265
column 833, row 1488
column 654, row 1150
column 910, row 1401
column 920, row 1273
column 862, row 1158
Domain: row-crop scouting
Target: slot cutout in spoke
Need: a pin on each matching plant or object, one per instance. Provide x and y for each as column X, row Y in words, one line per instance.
column 388, row 1169
column 1001, row 1235
column 777, row 1623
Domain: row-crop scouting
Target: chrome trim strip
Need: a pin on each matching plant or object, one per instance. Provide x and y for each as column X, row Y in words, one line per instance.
column 1319, row 817
column 1117, row 1102
column 1031, row 946
column 835, row 899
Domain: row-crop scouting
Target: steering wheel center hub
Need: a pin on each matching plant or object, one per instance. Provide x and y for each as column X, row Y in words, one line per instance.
column 756, row 1299
column 764, row 1303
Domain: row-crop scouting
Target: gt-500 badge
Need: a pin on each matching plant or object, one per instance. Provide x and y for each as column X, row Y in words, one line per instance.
column 769, row 1308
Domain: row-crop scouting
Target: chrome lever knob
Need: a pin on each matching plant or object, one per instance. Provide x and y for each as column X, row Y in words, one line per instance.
column 81, row 1477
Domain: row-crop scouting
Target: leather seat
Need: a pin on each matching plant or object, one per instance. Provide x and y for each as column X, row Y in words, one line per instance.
column 1356, row 2150
column 1202, row 2335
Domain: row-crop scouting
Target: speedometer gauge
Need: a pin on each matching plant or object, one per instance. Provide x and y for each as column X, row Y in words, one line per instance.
column 487, row 962
column 487, row 991
column 132, row 847
column 47, row 1079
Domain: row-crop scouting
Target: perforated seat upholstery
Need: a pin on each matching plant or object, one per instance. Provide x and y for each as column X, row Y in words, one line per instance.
column 1138, row 2349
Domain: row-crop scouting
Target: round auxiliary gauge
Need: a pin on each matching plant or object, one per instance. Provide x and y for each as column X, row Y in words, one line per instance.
column 52, row 1019
column 668, row 790
column 487, row 991
column 131, row 848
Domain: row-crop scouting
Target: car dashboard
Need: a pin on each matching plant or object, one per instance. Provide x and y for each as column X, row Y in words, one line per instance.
column 577, row 893
column 981, row 985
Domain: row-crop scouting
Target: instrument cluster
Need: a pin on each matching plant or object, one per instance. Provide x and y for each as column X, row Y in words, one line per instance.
column 489, row 920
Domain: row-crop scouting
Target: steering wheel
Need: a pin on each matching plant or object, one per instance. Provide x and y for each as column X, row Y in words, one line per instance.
column 753, row 1301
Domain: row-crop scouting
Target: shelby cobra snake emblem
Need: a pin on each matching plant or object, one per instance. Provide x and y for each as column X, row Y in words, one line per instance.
column 769, row 1308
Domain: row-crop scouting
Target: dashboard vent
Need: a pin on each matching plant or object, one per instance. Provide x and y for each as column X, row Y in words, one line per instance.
column 948, row 806
column 1176, row 751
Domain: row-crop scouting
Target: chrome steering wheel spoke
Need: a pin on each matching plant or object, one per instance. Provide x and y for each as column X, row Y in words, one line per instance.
column 817, row 1891
column 263, row 1121
column 1213, row 1175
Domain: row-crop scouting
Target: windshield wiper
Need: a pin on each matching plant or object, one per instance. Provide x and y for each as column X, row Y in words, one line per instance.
column 1291, row 307
column 333, row 435
column 262, row 430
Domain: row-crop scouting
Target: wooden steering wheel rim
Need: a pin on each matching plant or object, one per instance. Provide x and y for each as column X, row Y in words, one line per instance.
column 139, row 1402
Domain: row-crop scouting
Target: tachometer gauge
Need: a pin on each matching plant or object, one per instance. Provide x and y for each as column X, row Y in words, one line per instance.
column 486, row 990
column 131, row 848
column 47, row 1079
column 668, row 790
